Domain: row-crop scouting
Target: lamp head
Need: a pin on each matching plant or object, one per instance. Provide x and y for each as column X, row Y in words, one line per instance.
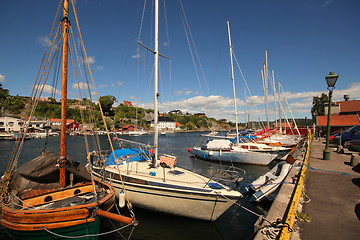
column 331, row 80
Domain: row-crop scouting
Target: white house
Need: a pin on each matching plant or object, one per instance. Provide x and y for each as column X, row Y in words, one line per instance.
column 10, row 124
column 165, row 123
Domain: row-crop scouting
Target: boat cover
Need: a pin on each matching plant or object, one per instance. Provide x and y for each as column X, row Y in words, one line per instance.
column 43, row 173
column 127, row 154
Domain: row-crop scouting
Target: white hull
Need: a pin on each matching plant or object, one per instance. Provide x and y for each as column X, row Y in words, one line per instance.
column 186, row 194
column 241, row 156
column 269, row 182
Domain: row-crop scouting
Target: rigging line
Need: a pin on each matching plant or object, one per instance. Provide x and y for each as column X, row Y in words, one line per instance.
column 78, row 89
column 47, row 44
column 192, row 39
column 97, row 96
column 191, row 53
column 289, row 109
column 14, row 158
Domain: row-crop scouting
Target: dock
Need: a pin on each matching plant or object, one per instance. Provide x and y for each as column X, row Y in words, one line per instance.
column 323, row 202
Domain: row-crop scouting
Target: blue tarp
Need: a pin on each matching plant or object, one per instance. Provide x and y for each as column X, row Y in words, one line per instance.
column 127, row 154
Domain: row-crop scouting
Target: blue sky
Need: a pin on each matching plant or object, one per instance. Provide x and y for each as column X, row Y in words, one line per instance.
column 305, row 40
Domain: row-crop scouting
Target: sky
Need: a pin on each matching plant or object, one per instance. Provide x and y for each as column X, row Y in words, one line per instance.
column 304, row 40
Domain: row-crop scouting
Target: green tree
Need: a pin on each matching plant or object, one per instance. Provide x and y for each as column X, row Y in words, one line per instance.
column 106, row 104
column 14, row 104
column 318, row 106
column 4, row 94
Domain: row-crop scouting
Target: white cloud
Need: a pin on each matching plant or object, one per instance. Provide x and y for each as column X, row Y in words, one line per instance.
column 119, row 83
column 91, row 59
column 188, row 92
column 223, row 107
column 99, row 68
column 135, row 56
column 103, row 86
column 2, row 78
column 43, row 41
column 81, row 85
column 49, row 89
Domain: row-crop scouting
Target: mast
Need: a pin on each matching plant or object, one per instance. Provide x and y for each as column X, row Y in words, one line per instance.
column 266, row 88
column 279, row 98
column 156, row 76
column 233, row 82
column 65, row 31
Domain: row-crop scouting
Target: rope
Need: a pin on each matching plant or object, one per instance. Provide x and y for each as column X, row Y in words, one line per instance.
column 88, row 235
column 272, row 230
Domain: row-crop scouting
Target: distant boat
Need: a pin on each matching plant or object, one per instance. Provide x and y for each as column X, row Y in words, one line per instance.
column 224, row 150
column 269, row 182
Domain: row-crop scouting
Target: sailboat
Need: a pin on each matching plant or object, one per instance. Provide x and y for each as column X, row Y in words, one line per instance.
column 51, row 196
column 155, row 182
column 224, row 149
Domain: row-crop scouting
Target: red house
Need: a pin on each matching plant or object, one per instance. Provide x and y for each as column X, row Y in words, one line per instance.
column 128, row 127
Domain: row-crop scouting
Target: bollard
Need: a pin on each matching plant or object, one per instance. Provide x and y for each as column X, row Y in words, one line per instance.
column 340, row 149
column 355, row 159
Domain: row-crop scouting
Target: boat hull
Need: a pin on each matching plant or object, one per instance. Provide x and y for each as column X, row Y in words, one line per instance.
column 256, row 158
column 73, row 220
column 198, row 203
column 90, row 227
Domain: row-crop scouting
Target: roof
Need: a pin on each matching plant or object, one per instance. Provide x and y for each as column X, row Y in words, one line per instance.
column 165, row 119
column 128, row 103
column 339, row 120
column 349, row 106
column 59, row 120
column 127, row 126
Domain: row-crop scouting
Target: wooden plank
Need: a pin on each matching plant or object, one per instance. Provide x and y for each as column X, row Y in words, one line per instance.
column 56, row 196
column 38, row 227
column 49, row 217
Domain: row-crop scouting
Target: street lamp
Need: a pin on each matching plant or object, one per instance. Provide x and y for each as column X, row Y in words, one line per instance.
column 330, row 80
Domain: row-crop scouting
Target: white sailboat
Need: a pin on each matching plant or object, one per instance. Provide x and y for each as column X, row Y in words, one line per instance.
column 224, row 150
column 156, row 183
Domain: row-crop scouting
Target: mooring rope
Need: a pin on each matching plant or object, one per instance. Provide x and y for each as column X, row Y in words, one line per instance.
column 88, row 235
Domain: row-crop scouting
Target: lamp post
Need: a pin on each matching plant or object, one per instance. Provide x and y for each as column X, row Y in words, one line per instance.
column 330, row 80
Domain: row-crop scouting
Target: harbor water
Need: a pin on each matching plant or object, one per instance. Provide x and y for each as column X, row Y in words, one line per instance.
column 236, row 223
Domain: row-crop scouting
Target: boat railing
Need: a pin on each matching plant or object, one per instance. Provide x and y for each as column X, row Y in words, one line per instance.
column 230, row 176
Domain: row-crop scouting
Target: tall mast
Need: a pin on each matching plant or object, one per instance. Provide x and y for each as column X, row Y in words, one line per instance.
column 65, row 31
column 233, row 82
column 279, row 100
column 156, row 76
column 266, row 88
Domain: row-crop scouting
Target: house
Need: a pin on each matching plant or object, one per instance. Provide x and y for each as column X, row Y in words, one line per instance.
column 10, row 124
column 165, row 123
column 283, row 125
column 128, row 127
column 74, row 126
column 177, row 111
column 57, row 121
column 344, row 114
column 128, row 103
column 200, row 114
column 178, row 125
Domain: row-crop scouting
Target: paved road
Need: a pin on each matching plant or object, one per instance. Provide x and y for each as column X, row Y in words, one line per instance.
column 334, row 189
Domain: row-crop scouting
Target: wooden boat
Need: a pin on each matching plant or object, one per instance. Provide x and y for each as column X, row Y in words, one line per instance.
column 156, row 183
column 269, row 182
column 51, row 196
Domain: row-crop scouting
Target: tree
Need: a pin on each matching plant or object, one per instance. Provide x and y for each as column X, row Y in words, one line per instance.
column 4, row 94
column 318, row 108
column 106, row 104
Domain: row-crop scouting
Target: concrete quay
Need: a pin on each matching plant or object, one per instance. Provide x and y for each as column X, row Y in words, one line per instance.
column 330, row 208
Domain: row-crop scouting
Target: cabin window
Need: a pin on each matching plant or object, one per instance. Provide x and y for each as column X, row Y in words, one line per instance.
column 11, row 124
column 2, row 124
